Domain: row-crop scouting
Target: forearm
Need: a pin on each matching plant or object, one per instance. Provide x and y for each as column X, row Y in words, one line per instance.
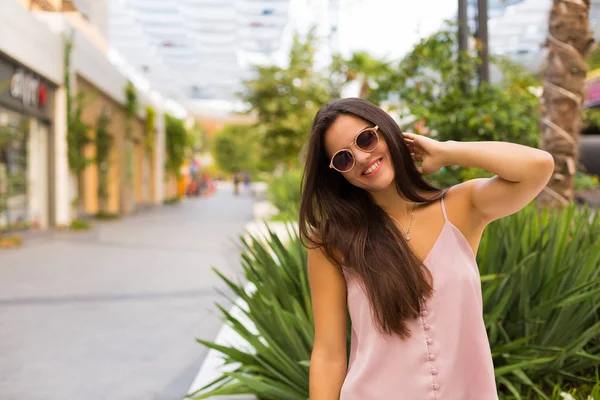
column 326, row 377
column 512, row 162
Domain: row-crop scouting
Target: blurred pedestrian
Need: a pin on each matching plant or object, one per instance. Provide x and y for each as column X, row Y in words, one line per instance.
column 236, row 183
column 247, row 182
column 398, row 254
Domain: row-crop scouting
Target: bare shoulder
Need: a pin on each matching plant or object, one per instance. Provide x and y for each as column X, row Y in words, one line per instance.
column 459, row 207
column 321, row 268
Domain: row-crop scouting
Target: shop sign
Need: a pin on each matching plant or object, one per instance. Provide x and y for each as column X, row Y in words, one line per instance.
column 28, row 89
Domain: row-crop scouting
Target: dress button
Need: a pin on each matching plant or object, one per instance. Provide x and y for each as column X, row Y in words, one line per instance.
column 429, row 341
column 436, row 386
column 432, row 357
column 426, row 327
column 434, row 371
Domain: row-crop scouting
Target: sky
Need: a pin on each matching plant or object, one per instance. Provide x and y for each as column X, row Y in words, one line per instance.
column 385, row 28
column 390, row 27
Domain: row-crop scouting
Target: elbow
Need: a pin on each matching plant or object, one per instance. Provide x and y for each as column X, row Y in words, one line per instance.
column 544, row 165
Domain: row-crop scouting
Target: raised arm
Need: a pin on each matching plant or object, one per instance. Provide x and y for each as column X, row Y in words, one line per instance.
column 521, row 174
column 328, row 359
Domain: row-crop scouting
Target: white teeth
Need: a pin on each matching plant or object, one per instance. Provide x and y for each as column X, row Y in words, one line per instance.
column 372, row 168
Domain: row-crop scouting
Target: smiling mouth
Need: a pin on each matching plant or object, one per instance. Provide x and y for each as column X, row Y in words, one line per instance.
column 372, row 167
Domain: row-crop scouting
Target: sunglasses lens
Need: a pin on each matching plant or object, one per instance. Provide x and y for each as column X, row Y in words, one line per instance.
column 343, row 161
column 367, row 140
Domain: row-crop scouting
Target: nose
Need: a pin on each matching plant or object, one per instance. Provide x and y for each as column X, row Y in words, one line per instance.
column 362, row 157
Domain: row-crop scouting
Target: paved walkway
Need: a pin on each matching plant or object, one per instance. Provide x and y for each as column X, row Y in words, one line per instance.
column 112, row 314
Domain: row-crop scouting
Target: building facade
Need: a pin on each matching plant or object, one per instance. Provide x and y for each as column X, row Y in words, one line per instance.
column 32, row 120
column 26, row 118
column 37, row 188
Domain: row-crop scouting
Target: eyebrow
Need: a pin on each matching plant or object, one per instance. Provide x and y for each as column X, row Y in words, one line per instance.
column 342, row 148
column 366, row 127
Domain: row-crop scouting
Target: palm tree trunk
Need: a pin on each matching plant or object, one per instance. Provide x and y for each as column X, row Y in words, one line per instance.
column 569, row 39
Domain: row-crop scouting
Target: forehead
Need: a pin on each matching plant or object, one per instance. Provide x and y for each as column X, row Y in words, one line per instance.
column 342, row 132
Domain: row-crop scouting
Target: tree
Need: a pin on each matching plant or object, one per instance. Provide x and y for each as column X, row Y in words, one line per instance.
column 429, row 82
column 176, row 142
column 569, row 40
column 197, row 139
column 372, row 73
column 285, row 101
column 234, row 148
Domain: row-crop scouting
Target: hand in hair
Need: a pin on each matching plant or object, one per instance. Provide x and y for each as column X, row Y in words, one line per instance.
column 425, row 151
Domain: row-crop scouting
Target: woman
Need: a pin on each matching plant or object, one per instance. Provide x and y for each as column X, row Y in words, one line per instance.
column 399, row 255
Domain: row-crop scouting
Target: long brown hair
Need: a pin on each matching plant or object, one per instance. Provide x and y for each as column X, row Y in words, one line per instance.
column 354, row 232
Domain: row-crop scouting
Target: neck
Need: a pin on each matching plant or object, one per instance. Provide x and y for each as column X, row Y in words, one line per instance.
column 391, row 202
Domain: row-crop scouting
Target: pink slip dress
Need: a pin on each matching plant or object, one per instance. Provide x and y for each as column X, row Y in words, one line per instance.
column 446, row 357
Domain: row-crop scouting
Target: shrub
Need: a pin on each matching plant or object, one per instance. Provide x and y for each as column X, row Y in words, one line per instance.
column 80, row 225
column 430, row 80
column 542, row 314
column 172, row 200
column 585, row 181
column 284, row 193
column 234, row 148
column 451, row 175
column 107, row 216
column 540, row 280
column 280, row 309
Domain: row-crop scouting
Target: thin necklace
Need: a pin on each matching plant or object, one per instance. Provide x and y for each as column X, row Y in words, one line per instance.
column 412, row 214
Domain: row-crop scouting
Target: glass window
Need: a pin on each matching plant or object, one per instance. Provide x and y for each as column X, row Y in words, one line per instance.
column 13, row 171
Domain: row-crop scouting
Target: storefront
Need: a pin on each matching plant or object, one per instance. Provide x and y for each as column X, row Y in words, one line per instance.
column 127, row 187
column 26, row 112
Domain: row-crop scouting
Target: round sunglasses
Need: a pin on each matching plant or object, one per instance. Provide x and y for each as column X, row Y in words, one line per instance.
column 366, row 140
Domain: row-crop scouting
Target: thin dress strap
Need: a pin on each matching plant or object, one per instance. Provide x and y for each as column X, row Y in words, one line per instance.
column 444, row 211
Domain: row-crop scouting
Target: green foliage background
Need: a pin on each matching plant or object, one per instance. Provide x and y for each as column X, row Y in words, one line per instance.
column 104, row 142
column 175, row 143
column 425, row 85
column 285, row 101
column 235, row 148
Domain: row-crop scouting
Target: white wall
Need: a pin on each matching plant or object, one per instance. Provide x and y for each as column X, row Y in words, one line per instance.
column 37, row 173
column 87, row 60
column 30, row 41
column 62, row 174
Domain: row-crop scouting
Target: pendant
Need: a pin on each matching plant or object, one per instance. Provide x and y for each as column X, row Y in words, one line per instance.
column 408, row 238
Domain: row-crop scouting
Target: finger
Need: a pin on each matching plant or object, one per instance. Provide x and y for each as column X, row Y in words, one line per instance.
column 409, row 135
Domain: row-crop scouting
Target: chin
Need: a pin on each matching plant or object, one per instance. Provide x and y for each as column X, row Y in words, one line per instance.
column 379, row 186
column 381, row 181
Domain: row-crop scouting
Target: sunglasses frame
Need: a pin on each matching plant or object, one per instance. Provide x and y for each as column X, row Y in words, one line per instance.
column 349, row 148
